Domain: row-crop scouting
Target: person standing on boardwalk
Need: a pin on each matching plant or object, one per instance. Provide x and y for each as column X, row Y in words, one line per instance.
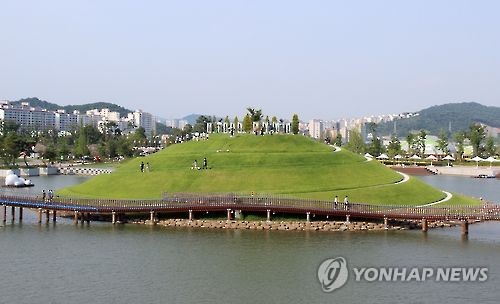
column 346, row 203
column 44, row 195
column 335, row 202
column 205, row 164
column 51, row 195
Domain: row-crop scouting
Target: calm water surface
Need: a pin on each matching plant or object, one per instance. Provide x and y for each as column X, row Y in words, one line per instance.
column 102, row 263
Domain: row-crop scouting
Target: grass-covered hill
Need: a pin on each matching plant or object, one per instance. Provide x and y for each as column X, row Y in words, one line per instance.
column 290, row 165
column 459, row 115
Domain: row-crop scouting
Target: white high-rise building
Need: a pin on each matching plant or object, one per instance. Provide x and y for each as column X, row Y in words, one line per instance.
column 66, row 121
column 28, row 117
column 316, row 128
column 145, row 120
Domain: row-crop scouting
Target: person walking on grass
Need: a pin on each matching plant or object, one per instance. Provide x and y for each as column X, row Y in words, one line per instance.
column 195, row 165
column 205, row 163
column 142, row 166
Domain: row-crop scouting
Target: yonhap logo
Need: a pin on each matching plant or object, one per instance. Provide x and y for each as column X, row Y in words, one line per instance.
column 333, row 274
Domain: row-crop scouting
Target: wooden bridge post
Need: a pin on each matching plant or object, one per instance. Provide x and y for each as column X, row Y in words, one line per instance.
column 75, row 220
column 268, row 215
column 4, row 213
column 385, row 223
column 308, row 216
column 47, row 216
column 13, row 213
column 228, row 214
column 20, row 214
column 152, row 217
column 54, row 215
column 88, row 218
column 82, row 217
column 424, row 225
column 113, row 217
column 40, row 215
column 348, row 219
column 465, row 228
column 190, row 215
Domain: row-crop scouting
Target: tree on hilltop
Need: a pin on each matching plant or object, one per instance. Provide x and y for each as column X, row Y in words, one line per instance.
column 355, row 143
column 295, row 124
column 247, row 123
column 255, row 115
column 201, row 123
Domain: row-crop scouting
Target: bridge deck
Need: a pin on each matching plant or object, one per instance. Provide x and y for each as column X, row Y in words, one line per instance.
column 196, row 202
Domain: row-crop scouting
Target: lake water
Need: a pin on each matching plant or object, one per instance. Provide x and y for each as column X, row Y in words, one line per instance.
column 101, row 263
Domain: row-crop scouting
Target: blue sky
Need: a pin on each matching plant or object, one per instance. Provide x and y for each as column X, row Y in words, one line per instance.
column 320, row 59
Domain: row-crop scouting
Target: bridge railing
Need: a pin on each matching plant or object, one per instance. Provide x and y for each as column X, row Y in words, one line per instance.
column 233, row 201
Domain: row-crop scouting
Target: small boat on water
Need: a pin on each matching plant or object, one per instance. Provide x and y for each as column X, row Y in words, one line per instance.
column 484, row 176
column 18, row 186
column 14, row 181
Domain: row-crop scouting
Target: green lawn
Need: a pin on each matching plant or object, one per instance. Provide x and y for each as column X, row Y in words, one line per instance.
column 291, row 165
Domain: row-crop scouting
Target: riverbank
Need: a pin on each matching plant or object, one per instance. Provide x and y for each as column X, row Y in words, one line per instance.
column 52, row 170
column 297, row 225
column 466, row 171
column 469, row 171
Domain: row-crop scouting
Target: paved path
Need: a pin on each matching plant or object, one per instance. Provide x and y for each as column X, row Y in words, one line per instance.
column 406, row 178
column 447, row 198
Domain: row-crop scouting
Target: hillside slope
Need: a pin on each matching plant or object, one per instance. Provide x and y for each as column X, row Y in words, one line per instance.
column 282, row 164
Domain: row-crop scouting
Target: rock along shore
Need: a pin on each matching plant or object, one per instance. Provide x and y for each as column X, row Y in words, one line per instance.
column 297, row 225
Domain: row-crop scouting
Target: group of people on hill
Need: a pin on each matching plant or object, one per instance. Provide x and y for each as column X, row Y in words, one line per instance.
column 195, row 166
column 145, row 167
column 346, row 204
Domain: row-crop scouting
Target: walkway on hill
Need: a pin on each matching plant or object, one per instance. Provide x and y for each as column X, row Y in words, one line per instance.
column 447, row 198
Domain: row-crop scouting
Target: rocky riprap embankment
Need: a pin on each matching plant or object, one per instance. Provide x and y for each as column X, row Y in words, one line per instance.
column 296, row 225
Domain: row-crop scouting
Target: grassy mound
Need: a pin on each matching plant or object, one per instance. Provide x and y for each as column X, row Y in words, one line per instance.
column 295, row 166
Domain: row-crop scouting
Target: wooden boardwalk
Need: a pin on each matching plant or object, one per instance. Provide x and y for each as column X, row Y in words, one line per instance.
column 190, row 203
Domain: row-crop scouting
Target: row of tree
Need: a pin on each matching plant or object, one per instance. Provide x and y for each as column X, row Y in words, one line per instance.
column 482, row 144
column 51, row 145
column 253, row 115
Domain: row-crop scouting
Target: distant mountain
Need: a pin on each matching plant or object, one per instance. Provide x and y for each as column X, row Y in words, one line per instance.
column 454, row 116
column 35, row 102
column 191, row 118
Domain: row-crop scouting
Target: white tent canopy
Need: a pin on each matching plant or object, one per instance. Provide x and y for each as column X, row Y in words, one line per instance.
column 383, row 156
column 415, row 156
column 398, row 157
column 477, row 159
column 448, row 157
column 491, row 159
column 431, row 158
column 368, row 155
